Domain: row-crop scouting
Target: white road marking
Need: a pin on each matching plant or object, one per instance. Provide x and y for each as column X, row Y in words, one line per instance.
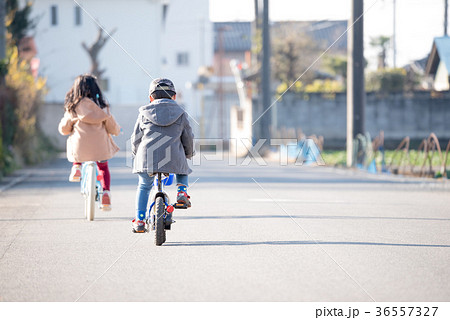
column 294, row 200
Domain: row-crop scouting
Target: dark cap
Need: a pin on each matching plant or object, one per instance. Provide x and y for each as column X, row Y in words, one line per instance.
column 161, row 84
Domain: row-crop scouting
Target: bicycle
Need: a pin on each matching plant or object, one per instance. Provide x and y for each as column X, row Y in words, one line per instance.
column 91, row 188
column 159, row 216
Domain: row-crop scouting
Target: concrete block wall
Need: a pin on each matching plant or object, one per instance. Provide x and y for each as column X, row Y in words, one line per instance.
column 415, row 115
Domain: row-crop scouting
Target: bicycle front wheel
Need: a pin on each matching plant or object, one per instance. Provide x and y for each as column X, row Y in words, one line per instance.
column 160, row 232
column 89, row 200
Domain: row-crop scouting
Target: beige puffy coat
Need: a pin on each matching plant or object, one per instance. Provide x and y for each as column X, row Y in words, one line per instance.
column 89, row 131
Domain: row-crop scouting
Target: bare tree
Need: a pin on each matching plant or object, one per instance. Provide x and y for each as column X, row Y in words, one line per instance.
column 94, row 49
column 292, row 54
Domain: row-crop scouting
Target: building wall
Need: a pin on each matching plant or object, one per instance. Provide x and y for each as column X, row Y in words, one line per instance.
column 397, row 115
column 441, row 81
column 146, row 47
column 63, row 58
column 186, row 31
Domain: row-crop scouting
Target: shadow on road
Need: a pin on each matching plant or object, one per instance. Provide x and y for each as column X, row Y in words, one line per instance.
column 278, row 243
column 111, row 218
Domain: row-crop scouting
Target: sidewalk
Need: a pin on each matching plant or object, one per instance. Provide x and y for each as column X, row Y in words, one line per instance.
column 23, row 174
column 15, row 178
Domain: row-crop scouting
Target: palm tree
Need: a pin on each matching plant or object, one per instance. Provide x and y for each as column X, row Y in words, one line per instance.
column 381, row 43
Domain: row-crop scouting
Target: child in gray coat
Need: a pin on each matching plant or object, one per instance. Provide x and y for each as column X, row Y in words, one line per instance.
column 161, row 142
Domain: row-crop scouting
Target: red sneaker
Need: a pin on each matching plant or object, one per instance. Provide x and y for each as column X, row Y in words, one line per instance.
column 182, row 197
column 138, row 226
column 106, row 200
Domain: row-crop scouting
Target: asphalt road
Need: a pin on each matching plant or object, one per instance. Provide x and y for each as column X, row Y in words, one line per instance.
column 270, row 233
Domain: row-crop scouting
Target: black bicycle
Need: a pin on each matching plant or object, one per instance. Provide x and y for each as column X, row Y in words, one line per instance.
column 160, row 213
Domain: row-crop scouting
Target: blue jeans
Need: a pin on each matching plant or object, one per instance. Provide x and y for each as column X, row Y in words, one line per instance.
column 143, row 191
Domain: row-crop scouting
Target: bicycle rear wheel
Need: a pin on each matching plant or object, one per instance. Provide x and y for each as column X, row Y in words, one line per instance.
column 89, row 200
column 160, row 232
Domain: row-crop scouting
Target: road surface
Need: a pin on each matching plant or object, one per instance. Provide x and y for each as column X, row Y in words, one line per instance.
column 254, row 233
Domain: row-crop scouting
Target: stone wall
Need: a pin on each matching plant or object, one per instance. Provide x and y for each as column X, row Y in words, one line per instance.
column 415, row 115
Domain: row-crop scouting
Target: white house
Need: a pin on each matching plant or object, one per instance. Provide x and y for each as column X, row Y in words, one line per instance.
column 154, row 38
column 438, row 65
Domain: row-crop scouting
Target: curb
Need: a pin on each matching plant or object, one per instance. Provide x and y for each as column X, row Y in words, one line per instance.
column 14, row 181
column 429, row 183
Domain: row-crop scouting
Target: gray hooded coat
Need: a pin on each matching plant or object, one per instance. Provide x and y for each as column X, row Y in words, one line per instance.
column 162, row 139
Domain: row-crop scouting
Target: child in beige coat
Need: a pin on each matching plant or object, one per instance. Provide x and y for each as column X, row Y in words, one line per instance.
column 89, row 123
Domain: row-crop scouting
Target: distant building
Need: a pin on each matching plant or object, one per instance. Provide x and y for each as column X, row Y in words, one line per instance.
column 418, row 66
column 327, row 33
column 154, row 38
column 438, row 65
column 233, row 41
column 415, row 71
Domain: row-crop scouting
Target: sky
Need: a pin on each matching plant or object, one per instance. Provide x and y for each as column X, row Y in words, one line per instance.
column 417, row 21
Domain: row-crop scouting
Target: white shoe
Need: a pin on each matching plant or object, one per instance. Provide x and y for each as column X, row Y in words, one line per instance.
column 75, row 174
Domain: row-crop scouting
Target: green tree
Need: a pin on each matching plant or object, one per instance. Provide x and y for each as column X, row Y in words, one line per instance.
column 325, row 86
column 20, row 98
column 386, row 81
column 337, row 65
column 292, row 55
column 18, row 21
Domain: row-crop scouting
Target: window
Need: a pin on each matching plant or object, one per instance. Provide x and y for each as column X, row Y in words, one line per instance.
column 182, row 58
column 54, row 15
column 77, row 16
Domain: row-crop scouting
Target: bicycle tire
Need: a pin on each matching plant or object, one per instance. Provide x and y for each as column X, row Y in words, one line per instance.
column 160, row 231
column 89, row 201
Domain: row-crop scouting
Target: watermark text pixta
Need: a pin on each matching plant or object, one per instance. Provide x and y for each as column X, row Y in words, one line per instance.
column 284, row 151
column 237, row 152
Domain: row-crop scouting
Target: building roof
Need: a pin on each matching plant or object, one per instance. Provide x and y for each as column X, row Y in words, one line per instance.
column 237, row 36
column 418, row 66
column 439, row 52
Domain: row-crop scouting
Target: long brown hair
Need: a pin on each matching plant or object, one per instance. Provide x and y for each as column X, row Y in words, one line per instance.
column 84, row 86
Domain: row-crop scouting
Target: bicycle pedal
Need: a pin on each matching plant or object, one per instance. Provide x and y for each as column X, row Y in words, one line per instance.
column 180, row 206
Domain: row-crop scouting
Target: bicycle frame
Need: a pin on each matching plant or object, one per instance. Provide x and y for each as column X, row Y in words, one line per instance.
column 158, row 191
column 84, row 182
column 91, row 188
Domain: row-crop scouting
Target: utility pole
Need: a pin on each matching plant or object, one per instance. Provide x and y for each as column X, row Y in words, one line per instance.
column 256, row 60
column 220, row 91
column 445, row 17
column 266, row 92
column 355, row 77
